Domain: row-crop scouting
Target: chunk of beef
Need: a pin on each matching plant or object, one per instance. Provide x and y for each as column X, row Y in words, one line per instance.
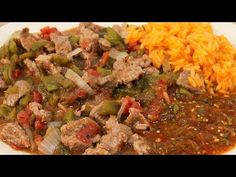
column 5, row 61
column 62, row 43
column 121, row 30
column 126, row 70
column 96, row 151
column 88, row 38
column 122, row 74
column 44, row 61
column 139, row 144
column 31, row 65
column 23, row 88
column 79, row 134
column 104, row 44
column 90, row 58
column 111, row 143
column 14, row 134
column 94, row 114
column 137, row 120
column 27, row 39
column 38, row 110
column 89, row 25
column 183, row 81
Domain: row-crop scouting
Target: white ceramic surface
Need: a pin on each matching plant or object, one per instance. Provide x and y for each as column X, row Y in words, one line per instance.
column 227, row 29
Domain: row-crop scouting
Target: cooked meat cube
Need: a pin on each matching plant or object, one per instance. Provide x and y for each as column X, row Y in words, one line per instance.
column 117, row 135
column 139, row 144
column 14, row 134
column 79, row 134
column 137, row 120
column 27, row 39
column 96, row 151
column 31, row 65
column 37, row 110
column 62, row 43
column 44, row 61
column 183, row 81
column 88, row 39
column 23, row 88
column 104, row 44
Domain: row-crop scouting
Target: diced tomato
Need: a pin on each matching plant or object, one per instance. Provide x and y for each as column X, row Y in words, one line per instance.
column 45, row 32
column 136, row 105
column 46, row 36
column 23, row 118
column 81, row 93
column 39, row 125
column 48, row 30
column 28, row 111
column 16, row 73
column 14, row 146
column 105, row 58
column 37, row 97
column 129, row 103
column 84, row 44
column 38, row 139
column 93, row 72
column 89, row 131
column 132, row 46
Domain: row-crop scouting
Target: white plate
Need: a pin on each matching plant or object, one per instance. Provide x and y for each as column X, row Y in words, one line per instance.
column 227, row 29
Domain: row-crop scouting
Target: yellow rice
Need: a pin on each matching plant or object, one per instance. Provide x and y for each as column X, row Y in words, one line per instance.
column 210, row 58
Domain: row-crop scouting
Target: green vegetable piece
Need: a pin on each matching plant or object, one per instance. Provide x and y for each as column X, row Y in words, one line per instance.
column 60, row 59
column 25, row 100
column 11, row 90
column 201, row 111
column 62, row 150
column 53, row 99
column 12, row 115
column 4, row 110
column 69, row 115
column 176, row 108
column 124, row 91
column 4, row 52
column 14, row 58
column 64, row 82
column 26, row 55
column 39, row 44
column 184, row 91
column 12, row 47
column 50, row 83
column 113, row 37
column 103, row 72
column 87, row 110
column 109, row 64
column 76, row 69
column 7, row 73
column 109, row 108
column 74, row 39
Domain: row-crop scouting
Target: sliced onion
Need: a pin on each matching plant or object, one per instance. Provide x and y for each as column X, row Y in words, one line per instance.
column 121, row 111
column 73, row 53
column 51, row 141
column 74, row 77
column 56, row 124
column 113, row 53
